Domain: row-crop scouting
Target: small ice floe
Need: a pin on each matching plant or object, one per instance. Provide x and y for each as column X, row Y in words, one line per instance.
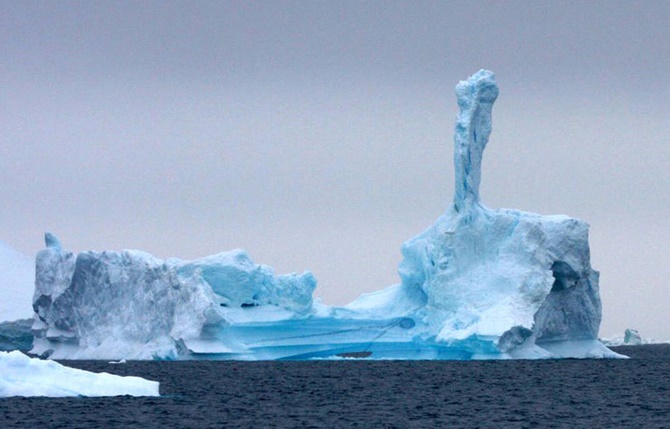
column 23, row 376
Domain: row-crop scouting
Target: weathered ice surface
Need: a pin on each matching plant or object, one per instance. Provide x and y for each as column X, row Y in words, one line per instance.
column 478, row 284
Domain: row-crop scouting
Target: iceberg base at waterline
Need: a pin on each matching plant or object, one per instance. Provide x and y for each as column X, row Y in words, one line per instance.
column 24, row 376
column 480, row 283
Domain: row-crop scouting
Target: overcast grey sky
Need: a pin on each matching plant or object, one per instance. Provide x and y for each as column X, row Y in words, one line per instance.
column 318, row 134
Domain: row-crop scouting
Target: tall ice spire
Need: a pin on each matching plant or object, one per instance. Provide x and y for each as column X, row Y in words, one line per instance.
column 473, row 127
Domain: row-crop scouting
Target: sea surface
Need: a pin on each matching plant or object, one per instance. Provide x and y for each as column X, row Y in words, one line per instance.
column 372, row 394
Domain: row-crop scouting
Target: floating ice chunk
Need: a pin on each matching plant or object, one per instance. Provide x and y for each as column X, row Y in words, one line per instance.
column 23, row 376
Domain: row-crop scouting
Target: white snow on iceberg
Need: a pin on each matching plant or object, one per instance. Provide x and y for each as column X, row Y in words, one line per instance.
column 23, row 376
column 478, row 284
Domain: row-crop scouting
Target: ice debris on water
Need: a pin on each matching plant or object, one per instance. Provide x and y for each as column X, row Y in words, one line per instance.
column 480, row 283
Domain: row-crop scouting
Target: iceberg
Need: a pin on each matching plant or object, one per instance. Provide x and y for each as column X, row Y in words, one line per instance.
column 17, row 280
column 480, row 283
column 631, row 337
column 23, row 376
column 115, row 305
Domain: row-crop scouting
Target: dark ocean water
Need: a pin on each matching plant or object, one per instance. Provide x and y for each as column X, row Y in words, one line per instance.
column 372, row 394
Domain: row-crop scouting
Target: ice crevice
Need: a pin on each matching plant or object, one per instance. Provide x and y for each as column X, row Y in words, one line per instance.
column 479, row 283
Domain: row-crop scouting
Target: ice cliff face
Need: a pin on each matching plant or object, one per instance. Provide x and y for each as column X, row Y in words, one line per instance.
column 479, row 283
